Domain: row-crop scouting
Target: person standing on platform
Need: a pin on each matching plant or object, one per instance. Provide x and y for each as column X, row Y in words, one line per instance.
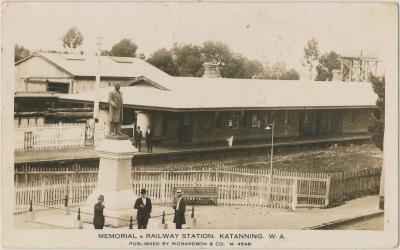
column 180, row 209
column 98, row 219
column 149, row 140
column 138, row 138
column 143, row 206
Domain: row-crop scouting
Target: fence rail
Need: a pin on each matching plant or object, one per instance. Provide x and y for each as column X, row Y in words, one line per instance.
column 41, row 182
column 56, row 136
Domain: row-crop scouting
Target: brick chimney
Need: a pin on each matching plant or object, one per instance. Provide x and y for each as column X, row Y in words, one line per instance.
column 211, row 70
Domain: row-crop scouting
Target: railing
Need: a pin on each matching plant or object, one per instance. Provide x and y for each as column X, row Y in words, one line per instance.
column 56, row 136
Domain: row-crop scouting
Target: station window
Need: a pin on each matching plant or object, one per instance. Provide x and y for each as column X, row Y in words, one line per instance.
column 235, row 120
column 266, row 118
column 217, row 120
column 58, row 87
column 243, row 119
column 255, row 120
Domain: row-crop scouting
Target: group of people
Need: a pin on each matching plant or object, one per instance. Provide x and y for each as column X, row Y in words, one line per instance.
column 138, row 136
column 143, row 207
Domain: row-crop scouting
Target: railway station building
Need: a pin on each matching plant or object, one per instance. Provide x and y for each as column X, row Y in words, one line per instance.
column 193, row 110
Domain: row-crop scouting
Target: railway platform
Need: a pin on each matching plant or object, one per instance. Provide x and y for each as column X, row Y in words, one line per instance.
column 176, row 150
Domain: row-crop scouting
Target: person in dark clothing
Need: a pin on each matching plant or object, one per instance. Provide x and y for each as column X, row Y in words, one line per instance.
column 98, row 219
column 138, row 138
column 149, row 140
column 143, row 206
column 180, row 209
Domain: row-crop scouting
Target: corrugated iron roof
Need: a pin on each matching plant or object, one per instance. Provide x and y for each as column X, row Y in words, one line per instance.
column 189, row 93
column 86, row 66
column 211, row 93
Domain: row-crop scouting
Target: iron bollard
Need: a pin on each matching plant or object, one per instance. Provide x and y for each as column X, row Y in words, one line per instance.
column 131, row 223
column 66, row 205
column 79, row 214
column 163, row 218
column 78, row 222
column 31, row 212
column 163, row 225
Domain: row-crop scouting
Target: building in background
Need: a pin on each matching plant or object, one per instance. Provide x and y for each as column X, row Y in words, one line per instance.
column 189, row 109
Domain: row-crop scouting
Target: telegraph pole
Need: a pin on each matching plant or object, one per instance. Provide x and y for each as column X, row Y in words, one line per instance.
column 97, row 84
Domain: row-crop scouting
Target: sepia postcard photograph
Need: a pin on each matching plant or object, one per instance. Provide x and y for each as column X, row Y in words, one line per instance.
column 199, row 124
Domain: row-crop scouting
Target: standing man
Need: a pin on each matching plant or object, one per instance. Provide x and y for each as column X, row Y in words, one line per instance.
column 143, row 206
column 115, row 111
column 98, row 219
column 138, row 138
column 149, row 140
column 180, row 209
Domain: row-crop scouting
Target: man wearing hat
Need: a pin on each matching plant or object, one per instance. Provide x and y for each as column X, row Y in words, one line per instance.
column 98, row 219
column 115, row 112
column 143, row 206
column 180, row 209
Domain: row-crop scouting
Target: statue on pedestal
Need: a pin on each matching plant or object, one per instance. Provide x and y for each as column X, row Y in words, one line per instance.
column 115, row 101
column 115, row 111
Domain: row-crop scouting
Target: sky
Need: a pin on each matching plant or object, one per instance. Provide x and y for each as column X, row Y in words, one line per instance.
column 269, row 32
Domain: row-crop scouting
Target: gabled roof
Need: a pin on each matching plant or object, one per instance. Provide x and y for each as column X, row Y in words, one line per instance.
column 190, row 93
column 193, row 93
column 86, row 66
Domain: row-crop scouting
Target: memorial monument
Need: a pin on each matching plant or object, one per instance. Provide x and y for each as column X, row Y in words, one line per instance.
column 114, row 178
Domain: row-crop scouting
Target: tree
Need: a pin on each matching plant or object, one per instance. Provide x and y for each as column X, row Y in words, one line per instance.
column 125, row 48
column 105, row 52
column 311, row 55
column 188, row 60
column 216, row 52
column 278, row 71
column 72, row 39
column 164, row 60
column 327, row 63
column 291, row 74
column 377, row 124
column 20, row 53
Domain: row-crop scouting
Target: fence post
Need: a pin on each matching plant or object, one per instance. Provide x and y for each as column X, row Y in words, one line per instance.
column 42, row 189
column 193, row 219
column 66, row 205
column 163, row 225
column 78, row 222
column 131, row 223
column 328, row 190
column 31, row 212
column 294, row 194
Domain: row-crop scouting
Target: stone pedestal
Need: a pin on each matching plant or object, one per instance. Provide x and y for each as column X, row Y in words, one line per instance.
column 114, row 182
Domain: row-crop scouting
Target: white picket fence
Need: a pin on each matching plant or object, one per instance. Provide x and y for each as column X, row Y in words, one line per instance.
column 47, row 183
column 49, row 186
column 238, row 188
column 54, row 136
